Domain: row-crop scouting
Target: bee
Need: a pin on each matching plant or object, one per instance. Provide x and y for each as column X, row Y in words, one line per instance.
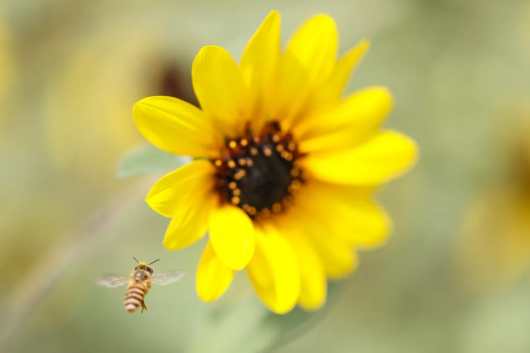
column 139, row 281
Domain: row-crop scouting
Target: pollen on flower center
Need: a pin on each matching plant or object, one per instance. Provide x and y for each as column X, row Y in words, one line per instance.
column 258, row 173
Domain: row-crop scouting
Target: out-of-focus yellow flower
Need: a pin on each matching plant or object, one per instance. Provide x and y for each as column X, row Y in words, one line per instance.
column 494, row 240
column 7, row 69
column 284, row 166
column 494, row 248
column 88, row 103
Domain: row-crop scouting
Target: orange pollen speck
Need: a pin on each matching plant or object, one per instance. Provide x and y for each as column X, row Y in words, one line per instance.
column 276, row 208
column 286, row 155
column 265, row 213
column 240, row 174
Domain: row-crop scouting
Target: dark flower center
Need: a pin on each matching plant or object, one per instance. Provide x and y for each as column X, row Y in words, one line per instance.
column 258, row 173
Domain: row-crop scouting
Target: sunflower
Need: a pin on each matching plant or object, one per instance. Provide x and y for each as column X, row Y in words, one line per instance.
column 283, row 169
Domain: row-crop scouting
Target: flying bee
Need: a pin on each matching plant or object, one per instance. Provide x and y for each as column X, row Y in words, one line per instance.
column 139, row 282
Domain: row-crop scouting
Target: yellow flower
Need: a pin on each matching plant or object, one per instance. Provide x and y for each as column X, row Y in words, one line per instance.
column 493, row 242
column 284, row 167
column 7, row 63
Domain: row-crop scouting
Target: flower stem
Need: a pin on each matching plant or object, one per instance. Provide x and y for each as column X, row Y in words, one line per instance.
column 33, row 288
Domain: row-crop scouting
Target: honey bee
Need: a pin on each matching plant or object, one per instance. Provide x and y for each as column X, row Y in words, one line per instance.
column 139, row 281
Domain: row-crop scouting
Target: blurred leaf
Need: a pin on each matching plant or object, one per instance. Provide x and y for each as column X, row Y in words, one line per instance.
column 296, row 323
column 148, row 160
column 248, row 326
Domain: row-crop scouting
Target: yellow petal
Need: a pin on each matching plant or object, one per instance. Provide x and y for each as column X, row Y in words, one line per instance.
column 274, row 272
column 172, row 195
column 220, row 88
column 339, row 261
column 348, row 123
column 308, row 61
column 383, row 157
column 213, row 278
column 191, row 224
column 337, row 257
column 177, row 127
column 313, row 284
column 259, row 65
column 336, row 83
column 349, row 212
column 232, row 236
column 292, row 91
column 315, row 45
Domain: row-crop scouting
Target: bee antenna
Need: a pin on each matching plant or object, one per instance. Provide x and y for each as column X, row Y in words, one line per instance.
column 135, row 259
column 154, row 262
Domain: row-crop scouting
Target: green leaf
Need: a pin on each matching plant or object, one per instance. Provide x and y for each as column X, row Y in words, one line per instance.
column 248, row 326
column 148, row 160
column 287, row 327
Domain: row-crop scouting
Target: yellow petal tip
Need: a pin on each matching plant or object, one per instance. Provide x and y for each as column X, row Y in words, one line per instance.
column 364, row 44
column 273, row 13
column 312, row 307
column 213, row 278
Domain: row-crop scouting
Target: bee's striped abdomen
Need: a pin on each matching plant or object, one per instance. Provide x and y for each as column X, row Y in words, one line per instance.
column 134, row 296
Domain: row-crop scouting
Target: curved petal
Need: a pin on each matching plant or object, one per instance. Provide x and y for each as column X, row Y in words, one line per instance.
column 232, row 236
column 191, row 225
column 315, row 46
column 175, row 192
column 348, row 123
column 383, row 157
column 213, row 278
column 308, row 61
column 259, row 65
column 313, row 283
column 337, row 257
column 292, row 90
column 349, row 212
column 274, row 272
column 220, row 88
column 177, row 127
column 332, row 89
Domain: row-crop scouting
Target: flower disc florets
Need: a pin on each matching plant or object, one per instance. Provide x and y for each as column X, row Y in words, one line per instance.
column 258, row 172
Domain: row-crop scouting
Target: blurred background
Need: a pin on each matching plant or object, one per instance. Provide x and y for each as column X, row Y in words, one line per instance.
column 453, row 278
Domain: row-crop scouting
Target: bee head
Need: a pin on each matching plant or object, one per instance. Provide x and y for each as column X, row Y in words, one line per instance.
column 144, row 266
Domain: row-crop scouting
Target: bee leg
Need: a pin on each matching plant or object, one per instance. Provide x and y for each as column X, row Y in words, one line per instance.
column 143, row 307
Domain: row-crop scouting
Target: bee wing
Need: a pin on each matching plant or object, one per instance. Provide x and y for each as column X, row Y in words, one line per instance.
column 164, row 278
column 111, row 280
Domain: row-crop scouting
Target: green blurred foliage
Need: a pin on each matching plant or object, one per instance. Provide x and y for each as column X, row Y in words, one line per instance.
column 459, row 72
column 148, row 160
